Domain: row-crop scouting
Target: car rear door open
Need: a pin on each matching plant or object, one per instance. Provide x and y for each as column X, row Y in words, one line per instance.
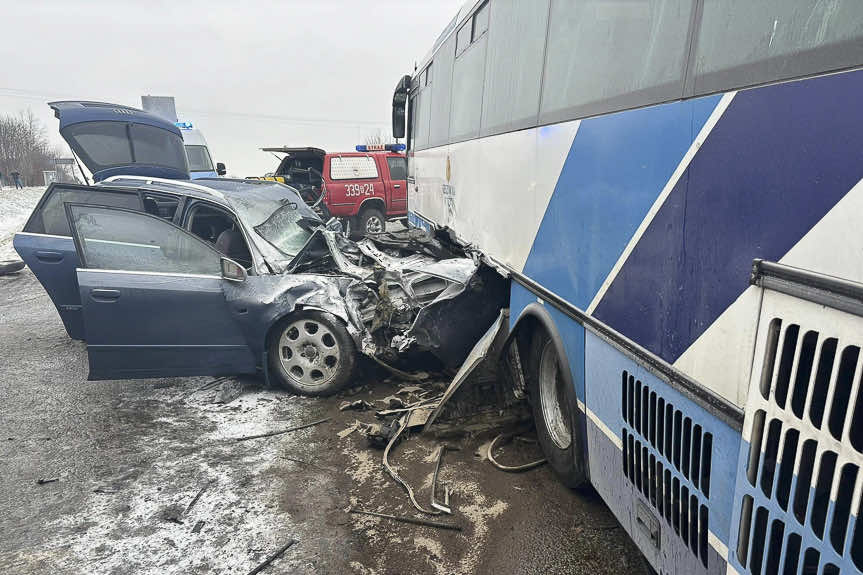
column 47, row 248
column 152, row 298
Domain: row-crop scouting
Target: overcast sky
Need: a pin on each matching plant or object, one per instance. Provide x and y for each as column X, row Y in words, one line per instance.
column 248, row 73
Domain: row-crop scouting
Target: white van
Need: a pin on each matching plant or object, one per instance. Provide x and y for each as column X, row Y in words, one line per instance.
column 198, row 154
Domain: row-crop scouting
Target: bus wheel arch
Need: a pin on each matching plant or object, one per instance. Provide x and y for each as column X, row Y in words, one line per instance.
column 551, row 391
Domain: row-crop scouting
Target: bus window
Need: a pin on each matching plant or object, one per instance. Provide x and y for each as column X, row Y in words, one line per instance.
column 605, row 55
column 514, row 69
column 743, row 43
column 440, row 94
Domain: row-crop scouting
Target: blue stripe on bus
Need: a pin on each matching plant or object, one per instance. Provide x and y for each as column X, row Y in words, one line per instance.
column 615, row 170
column 777, row 161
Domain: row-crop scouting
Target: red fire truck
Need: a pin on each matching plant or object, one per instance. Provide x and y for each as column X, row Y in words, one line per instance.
column 365, row 188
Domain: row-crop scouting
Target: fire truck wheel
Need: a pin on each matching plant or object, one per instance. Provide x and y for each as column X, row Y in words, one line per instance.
column 311, row 353
column 555, row 410
column 372, row 221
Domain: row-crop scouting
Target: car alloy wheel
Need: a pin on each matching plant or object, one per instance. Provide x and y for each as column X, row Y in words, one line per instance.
column 309, row 352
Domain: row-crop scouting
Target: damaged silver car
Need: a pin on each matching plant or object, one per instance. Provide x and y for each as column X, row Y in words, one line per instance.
column 165, row 277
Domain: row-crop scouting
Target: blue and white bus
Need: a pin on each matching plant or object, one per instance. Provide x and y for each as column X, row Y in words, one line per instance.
column 674, row 189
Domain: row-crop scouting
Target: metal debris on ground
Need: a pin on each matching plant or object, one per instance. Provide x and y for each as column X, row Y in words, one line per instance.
column 442, row 507
column 510, row 468
column 272, row 557
column 358, row 405
column 419, row 376
column 207, row 385
column 43, row 481
column 413, row 521
column 198, row 496
column 230, row 389
column 402, row 425
column 349, row 429
column 380, row 434
column 283, row 431
column 475, row 358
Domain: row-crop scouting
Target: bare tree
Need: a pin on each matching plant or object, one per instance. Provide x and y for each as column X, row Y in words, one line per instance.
column 24, row 147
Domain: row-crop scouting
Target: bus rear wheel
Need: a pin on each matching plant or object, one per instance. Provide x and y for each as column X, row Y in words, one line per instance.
column 555, row 410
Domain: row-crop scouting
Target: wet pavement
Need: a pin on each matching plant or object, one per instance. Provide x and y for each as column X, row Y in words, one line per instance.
column 129, row 457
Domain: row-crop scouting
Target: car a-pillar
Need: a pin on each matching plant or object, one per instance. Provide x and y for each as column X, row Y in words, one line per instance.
column 560, row 424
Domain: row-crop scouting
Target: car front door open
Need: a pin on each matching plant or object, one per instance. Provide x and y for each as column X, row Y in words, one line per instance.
column 152, row 298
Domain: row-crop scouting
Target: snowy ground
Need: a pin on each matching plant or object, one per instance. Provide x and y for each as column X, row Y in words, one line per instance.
column 15, row 208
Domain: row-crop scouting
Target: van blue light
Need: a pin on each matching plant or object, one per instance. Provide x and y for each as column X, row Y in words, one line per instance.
column 184, row 125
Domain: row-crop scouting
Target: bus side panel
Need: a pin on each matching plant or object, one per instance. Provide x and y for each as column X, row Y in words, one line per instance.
column 506, row 179
column 654, row 456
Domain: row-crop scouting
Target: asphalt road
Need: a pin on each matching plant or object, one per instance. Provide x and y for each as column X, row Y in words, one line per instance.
column 125, row 459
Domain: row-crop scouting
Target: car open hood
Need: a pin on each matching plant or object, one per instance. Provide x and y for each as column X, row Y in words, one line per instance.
column 112, row 140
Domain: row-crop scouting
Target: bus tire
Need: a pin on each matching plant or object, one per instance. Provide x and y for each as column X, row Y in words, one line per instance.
column 555, row 411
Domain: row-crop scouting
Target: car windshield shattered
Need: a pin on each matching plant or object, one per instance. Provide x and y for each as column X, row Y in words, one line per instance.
column 282, row 228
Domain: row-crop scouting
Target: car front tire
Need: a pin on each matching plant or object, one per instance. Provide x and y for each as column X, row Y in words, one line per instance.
column 311, row 353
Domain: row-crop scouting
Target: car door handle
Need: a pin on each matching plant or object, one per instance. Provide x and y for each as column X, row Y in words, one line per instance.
column 397, row 185
column 104, row 295
column 49, row 257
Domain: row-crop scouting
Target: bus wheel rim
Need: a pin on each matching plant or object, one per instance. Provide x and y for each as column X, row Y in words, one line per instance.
column 552, row 398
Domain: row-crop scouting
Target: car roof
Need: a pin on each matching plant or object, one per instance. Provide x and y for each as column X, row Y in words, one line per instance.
column 222, row 191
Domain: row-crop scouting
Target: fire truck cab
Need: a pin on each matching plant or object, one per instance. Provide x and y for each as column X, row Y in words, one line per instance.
column 365, row 188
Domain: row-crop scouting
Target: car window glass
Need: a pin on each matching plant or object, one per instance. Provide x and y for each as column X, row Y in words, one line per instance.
column 398, row 168
column 353, row 167
column 104, row 143
column 157, row 146
column 51, row 219
column 161, row 205
column 220, row 230
column 128, row 241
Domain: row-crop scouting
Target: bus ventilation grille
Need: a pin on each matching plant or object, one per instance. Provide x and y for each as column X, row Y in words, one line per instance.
column 667, row 457
column 802, row 474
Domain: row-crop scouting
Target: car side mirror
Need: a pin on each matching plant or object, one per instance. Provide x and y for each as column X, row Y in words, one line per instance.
column 221, row 169
column 233, row 271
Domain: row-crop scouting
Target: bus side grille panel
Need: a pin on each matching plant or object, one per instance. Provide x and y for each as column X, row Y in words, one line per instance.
column 802, row 475
column 662, row 448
